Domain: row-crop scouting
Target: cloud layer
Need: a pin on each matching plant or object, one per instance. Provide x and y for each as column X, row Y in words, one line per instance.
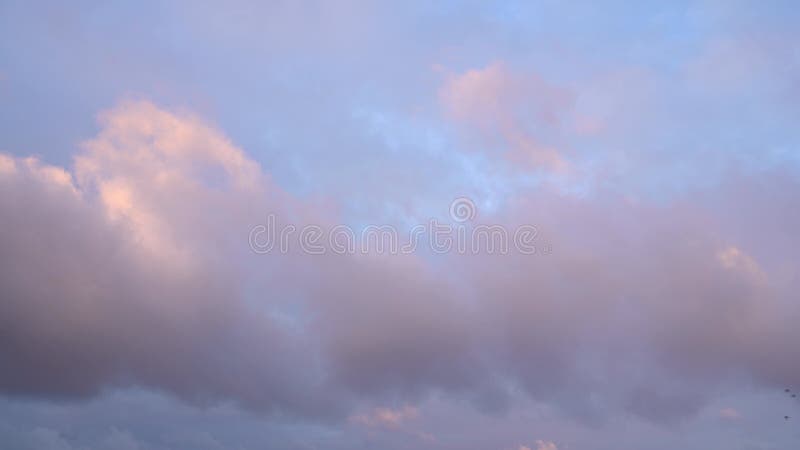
column 132, row 269
column 653, row 147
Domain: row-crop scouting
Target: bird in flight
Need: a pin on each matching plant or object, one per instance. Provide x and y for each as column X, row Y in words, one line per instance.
column 793, row 395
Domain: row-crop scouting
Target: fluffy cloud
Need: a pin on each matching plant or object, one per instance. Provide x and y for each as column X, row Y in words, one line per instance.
column 653, row 146
column 124, row 275
column 516, row 111
column 133, row 269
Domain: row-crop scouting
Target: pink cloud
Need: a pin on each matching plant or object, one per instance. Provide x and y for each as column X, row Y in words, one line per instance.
column 546, row 445
column 514, row 107
column 730, row 414
column 386, row 417
column 135, row 262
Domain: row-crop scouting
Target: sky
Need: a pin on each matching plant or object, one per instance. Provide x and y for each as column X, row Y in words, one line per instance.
column 193, row 198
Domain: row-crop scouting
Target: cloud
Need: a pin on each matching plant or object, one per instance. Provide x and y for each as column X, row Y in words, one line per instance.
column 386, row 417
column 540, row 445
column 729, row 414
column 670, row 288
column 122, row 274
column 546, row 445
column 120, row 440
column 133, row 269
column 519, row 109
column 47, row 439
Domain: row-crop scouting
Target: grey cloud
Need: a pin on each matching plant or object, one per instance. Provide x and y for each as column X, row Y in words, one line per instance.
column 136, row 273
